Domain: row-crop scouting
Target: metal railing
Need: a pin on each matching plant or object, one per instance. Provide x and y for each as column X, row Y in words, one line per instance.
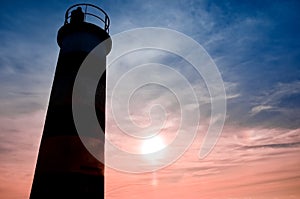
column 86, row 7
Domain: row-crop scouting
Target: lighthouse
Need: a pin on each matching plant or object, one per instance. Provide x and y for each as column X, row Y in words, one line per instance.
column 65, row 168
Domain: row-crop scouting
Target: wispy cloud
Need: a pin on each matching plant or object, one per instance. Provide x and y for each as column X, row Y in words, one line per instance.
column 256, row 47
column 255, row 110
column 280, row 103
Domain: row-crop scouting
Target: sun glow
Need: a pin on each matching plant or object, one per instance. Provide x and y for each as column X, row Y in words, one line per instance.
column 152, row 145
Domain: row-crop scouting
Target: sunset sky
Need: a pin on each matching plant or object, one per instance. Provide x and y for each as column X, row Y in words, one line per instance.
column 254, row 44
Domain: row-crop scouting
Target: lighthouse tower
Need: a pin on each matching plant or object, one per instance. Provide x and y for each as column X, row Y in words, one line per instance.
column 65, row 168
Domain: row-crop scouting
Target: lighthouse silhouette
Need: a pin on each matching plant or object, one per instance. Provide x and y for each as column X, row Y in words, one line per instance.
column 65, row 168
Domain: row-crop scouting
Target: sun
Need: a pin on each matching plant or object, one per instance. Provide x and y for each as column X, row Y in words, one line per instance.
column 152, row 145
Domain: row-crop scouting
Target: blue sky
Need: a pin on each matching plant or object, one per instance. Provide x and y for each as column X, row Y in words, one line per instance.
column 255, row 44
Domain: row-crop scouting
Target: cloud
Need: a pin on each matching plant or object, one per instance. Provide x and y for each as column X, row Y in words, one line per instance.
column 255, row 47
column 255, row 110
column 280, row 104
column 19, row 142
column 26, row 70
column 279, row 145
column 239, row 39
column 279, row 93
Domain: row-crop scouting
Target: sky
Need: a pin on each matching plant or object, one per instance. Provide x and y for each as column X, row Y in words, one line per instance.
column 255, row 46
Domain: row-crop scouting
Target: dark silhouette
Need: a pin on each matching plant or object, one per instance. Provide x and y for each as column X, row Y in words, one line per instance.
column 65, row 169
column 77, row 15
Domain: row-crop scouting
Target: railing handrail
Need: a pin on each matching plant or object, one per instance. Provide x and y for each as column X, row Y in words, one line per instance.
column 105, row 21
